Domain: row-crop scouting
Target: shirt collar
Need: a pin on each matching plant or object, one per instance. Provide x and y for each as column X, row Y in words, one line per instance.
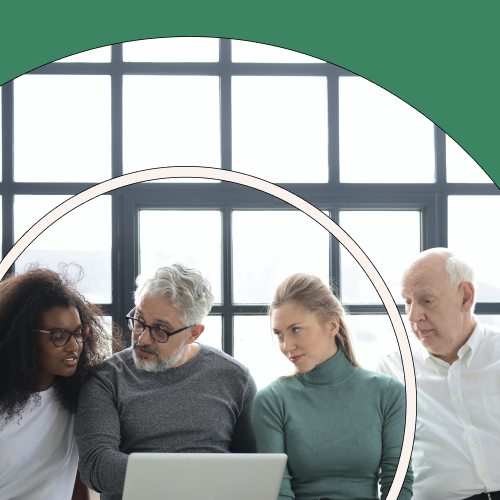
column 470, row 346
column 332, row 371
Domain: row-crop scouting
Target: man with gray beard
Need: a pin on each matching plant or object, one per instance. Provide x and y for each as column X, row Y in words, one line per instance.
column 166, row 393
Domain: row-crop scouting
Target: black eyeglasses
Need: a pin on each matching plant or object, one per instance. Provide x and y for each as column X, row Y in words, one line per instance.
column 61, row 337
column 157, row 333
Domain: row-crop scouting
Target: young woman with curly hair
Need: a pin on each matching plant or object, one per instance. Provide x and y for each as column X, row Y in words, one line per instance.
column 51, row 338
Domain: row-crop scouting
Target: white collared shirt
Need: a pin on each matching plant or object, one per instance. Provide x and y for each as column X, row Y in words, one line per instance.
column 457, row 440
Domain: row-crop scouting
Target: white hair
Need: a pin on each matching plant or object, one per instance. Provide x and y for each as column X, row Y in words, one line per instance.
column 187, row 290
column 458, row 271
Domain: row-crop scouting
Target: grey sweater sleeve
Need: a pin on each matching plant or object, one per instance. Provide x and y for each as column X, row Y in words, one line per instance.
column 97, row 428
column 244, row 437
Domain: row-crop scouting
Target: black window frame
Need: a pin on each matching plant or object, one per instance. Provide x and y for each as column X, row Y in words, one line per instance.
column 429, row 199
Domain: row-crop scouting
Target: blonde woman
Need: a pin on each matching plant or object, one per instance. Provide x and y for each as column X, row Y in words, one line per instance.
column 340, row 425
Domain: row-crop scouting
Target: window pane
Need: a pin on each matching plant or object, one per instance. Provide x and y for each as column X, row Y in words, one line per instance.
column 280, row 127
column 212, row 335
column 460, row 167
column 390, row 240
column 181, row 49
column 62, row 128
column 170, row 121
column 382, row 139
column 270, row 246
column 472, row 235
column 101, row 54
column 250, row 52
column 490, row 320
column 373, row 338
column 255, row 347
column 106, row 322
column 29, row 209
column 82, row 236
column 189, row 237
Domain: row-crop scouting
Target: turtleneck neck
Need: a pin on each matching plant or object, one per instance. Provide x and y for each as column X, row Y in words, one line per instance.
column 331, row 372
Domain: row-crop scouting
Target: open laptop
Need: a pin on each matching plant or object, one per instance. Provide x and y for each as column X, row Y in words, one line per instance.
column 204, row 476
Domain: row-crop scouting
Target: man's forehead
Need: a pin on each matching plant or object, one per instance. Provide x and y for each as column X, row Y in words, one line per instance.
column 424, row 279
column 419, row 289
column 160, row 307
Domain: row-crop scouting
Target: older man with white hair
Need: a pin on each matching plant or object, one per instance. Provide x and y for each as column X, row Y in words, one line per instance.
column 456, row 454
column 166, row 393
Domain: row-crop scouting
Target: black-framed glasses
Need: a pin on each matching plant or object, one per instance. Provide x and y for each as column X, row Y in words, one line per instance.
column 157, row 333
column 61, row 337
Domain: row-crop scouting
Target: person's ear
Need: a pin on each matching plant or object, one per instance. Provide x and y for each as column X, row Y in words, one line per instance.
column 194, row 333
column 468, row 294
column 334, row 324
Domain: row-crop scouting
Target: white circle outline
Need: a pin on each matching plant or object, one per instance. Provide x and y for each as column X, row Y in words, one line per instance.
column 299, row 203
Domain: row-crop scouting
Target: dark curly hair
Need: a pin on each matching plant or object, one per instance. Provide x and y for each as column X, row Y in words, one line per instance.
column 23, row 300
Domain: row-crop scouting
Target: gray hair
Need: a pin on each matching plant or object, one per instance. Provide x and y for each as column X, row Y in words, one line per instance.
column 187, row 290
column 458, row 271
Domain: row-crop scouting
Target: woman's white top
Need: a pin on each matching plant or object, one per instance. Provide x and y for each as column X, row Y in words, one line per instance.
column 38, row 454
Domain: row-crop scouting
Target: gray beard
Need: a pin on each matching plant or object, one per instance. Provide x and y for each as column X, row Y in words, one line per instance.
column 161, row 364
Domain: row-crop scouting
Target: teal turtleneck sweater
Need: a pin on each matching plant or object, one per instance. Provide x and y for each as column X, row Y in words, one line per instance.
column 341, row 427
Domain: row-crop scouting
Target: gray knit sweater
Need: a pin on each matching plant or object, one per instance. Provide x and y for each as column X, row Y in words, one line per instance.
column 202, row 406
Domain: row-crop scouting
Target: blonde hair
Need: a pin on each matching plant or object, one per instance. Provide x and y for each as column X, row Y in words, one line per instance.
column 313, row 295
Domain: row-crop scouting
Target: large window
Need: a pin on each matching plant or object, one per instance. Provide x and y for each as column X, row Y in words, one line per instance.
column 392, row 179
